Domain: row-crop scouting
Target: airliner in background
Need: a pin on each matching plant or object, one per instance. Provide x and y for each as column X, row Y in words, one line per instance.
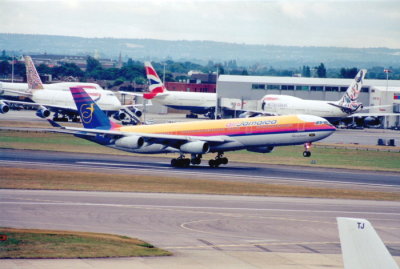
column 362, row 247
column 273, row 104
column 57, row 98
column 259, row 134
column 195, row 102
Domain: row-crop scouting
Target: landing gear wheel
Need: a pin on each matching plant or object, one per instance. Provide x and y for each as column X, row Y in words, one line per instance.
column 306, row 153
column 180, row 162
column 213, row 163
column 224, row 160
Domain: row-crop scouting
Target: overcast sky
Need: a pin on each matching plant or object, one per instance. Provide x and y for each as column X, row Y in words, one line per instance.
column 373, row 23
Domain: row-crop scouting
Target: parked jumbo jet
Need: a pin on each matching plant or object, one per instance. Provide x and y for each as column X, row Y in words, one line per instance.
column 260, row 134
column 195, row 102
column 362, row 247
column 273, row 104
column 58, row 99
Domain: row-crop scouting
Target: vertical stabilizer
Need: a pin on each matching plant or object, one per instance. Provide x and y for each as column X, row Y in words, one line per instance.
column 32, row 76
column 348, row 102
column 92, row 116
column 156, row 86
column 362, row 248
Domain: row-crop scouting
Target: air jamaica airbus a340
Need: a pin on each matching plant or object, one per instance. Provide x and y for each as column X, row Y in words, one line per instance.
column 259, row 134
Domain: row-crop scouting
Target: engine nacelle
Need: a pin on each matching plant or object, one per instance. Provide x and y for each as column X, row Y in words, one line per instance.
column 195, row 147
column 261, row 149
column 130, row 142
column 4, row 108
column 43, row 113
column 120, row 115
column 372, row 121
column 138, row 113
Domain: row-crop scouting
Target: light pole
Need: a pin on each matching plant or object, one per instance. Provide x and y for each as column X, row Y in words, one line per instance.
column 12, row 69
column 216, row 94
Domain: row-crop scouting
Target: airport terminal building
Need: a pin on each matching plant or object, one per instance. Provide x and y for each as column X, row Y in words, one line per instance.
column 374, row 92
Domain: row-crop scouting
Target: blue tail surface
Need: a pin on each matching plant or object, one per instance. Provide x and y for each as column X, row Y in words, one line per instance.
column 92, row 116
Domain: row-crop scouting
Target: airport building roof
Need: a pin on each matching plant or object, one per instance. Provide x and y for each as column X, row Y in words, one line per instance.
column 304, row 80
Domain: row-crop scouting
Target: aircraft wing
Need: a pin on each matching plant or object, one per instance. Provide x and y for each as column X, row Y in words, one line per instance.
column 165, row 139
column 254, row 113
column 140, row 94
column 379, row 114
column 52, row 108
column 23, row 93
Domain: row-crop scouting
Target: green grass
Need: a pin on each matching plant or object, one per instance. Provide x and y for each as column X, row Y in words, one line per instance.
column 292, row 155
column 28, row 243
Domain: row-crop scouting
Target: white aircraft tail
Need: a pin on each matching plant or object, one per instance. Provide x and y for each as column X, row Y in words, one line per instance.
column 156, row 86
column 348, row 103
column 362, row 248
column 34, row 81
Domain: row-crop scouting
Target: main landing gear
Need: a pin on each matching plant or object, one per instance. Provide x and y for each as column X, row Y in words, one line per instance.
column 195, row 159
column 307, row 152
column 181, row 161
column 220, row 159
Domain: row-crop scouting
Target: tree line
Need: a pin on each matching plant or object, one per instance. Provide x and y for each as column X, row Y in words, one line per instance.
column 133, row 71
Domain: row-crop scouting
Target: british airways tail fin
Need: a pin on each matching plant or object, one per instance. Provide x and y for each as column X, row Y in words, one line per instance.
column 362, row 248
column 32, row 76
column 92, row 116
column 348, row 103
column 156, row 86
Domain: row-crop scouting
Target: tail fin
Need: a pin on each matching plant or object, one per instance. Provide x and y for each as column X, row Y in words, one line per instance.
column 92, row 116
column 348, row 102
column 32, row 76
column 362, row 248
column 156, row 86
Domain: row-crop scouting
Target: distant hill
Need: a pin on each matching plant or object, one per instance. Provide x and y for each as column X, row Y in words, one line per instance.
column 201, row 51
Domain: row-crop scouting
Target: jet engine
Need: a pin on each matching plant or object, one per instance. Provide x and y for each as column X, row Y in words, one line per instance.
column 43, row 112
column 130, row 142
column 120, row 115
column 261, row 149
column 372, row 121
column 138, row 113
column 4, row 108
column 195, row 147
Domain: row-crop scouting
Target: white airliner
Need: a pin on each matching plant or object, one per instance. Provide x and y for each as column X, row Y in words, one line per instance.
column 330, row 110
column 195, row 102
column 57, row 97
column 362, row 247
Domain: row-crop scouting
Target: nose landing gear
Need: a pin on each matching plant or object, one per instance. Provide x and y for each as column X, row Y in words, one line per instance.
column 307, row 152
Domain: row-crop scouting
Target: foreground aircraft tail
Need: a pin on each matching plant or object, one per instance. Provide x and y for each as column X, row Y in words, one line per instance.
column 32, row 76
column 362, row 248
column 156, row 86
column 92, row 116
column 348, row 103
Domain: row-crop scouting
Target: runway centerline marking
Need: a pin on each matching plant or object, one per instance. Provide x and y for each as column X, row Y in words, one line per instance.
column 161, row 207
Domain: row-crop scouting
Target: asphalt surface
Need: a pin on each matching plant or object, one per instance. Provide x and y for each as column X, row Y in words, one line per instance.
column 204, row 231
column 226, row 228
column 233, row 171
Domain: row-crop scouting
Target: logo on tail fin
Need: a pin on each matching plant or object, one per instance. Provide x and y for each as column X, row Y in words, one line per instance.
column 32, row 76
column 86, row 112
column 156, row 86
column 348, row 103
column 91, row 115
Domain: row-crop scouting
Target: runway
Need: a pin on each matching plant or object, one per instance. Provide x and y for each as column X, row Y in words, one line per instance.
column 229, row 229
column 260, row 173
